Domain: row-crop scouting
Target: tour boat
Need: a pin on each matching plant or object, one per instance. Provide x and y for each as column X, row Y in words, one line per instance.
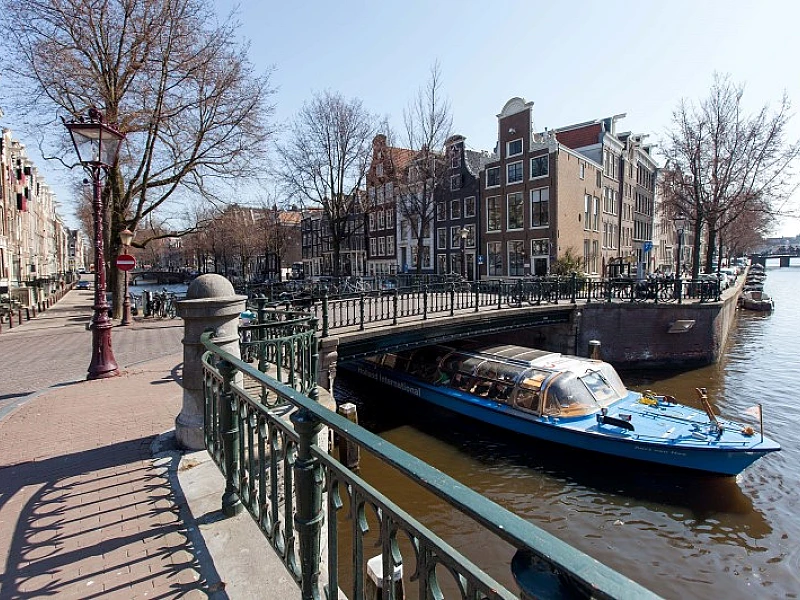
column 569, row 400
column 756, row 300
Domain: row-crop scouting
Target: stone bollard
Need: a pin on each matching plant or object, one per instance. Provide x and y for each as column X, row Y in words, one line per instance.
column 594, row 349
column 349, row 454
column 210, row 304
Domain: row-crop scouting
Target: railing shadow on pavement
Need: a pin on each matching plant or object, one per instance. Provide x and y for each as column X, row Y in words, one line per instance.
column 75, row 533
column 277, row 466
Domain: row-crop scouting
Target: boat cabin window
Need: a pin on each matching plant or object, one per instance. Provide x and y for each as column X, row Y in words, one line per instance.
column 425, row 363
column 529, row 391
column 568, row 396
column 399, row 362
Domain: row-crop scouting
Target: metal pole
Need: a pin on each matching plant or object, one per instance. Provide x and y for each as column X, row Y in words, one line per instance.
column 126, row 304
column 463, row 257
column 678, row 283
column 103, row 362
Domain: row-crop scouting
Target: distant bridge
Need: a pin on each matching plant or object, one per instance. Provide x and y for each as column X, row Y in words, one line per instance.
column 784, row 259
column 159, row 277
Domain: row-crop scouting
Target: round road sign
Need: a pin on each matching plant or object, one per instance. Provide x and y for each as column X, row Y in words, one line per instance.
column 125, row 262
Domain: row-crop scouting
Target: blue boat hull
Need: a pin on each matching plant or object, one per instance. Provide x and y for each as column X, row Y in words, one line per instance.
column 709, row 455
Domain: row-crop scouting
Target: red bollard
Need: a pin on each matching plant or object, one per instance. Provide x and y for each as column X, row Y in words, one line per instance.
column 19, row 315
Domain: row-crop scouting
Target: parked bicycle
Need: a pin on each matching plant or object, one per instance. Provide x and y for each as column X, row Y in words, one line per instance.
column 162, row 305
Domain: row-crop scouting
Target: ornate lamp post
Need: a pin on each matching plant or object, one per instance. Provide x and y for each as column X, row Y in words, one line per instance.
column 463, row 233
column 126, row 236
column 680, row 226
column 97, row 144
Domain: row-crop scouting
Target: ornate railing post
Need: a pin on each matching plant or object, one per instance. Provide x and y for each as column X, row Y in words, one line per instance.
column 424, row 301
column 361, row 311
column 499, row 294
column 679, row 288
column 394, row 306
column 519, row 293
column 476, row 286
column 325, row 311
column 452, row 298
column 229, row 426
column 309, row 482
column 574, row 296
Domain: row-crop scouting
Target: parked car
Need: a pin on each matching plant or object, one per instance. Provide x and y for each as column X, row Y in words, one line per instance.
column 83, row 284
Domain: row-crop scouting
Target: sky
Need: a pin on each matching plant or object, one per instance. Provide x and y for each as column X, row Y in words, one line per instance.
column 577, row 61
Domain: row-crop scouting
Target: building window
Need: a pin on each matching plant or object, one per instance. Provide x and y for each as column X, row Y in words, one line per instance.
column 455, row 238
column 540, row 166
column 596, row 214
column 390, row 218
column 441, row 263
column 469, row 207
column 514, row 148
column 540, row 247
column 514, row 173
column 381, row 219
column 441, row 211
column 585, row 256
column 379, row 170
column 516, row 258
column 540, row 207
column 372, row 221
column 373, row 246
column 492, row 177
column 516, row 207
column 455, row 209
column 581, row 170
column 494, row 259
column 455, row 183
column 595, row 255
column 493, row 214
column 382, row 246
column 441, row 237
column 455, row 157
column 599, row 178
column 470, row 236
column 587, row 215
column 403, row 227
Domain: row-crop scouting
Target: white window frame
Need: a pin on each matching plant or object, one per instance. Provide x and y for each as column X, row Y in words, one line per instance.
column 441, row 236
column 508, row 148
column 533, row 160
column 582, row 169
column 499, row 208
column 372, row 221
column 455, row 182
column 471, row 213
column 521, row 172
column 508, row 211
column 499, row 179
column 390, row 218
column 455, row 203
column 538, row 192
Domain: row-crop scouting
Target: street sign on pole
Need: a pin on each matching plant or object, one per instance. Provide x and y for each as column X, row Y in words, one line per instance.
column 125, row 262
column 648, row 245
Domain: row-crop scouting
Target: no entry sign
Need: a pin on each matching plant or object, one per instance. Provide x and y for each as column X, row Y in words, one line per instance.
column 125, row 262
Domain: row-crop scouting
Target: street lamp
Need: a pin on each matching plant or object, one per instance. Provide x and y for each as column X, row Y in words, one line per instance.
column 680, row 226
column 463, row 233
column 97, row 144
column 126, row 236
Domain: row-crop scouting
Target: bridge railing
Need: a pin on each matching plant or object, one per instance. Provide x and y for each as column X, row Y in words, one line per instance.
column 280, row 470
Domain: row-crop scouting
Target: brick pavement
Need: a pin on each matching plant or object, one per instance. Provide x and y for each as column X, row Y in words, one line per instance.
column 85, row 509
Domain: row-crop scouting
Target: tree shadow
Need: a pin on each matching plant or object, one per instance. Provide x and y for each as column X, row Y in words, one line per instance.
column 103, row 522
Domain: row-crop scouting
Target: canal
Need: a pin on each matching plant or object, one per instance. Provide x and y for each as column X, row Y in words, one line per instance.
column 681, row 535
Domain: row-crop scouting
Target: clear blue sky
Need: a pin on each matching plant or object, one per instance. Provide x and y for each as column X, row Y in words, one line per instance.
column 577, row 61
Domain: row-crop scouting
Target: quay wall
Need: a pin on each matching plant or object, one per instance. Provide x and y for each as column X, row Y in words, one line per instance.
column 639, row 334
column 635, row 335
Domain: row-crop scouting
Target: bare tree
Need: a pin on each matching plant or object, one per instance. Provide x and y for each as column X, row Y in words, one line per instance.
column 324, row 163
column 723, row 164
column 428, row 123
column 171, row 77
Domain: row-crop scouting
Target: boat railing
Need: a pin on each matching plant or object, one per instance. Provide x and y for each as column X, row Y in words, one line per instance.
column 277, row 465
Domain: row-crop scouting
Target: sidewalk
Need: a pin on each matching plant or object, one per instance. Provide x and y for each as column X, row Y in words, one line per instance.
column 94, row 499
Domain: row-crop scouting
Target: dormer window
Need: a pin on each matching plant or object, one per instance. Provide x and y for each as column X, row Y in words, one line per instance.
column 514, row 148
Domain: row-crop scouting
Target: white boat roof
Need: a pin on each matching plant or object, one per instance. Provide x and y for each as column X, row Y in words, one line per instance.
column 541, row 359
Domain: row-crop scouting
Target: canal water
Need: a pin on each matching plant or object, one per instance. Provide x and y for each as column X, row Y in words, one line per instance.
column 681, row 535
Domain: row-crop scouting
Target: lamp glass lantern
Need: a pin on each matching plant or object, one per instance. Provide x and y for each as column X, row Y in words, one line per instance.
column 96, row 143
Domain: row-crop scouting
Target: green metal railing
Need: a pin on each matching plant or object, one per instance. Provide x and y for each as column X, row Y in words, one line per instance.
column 276, row 466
